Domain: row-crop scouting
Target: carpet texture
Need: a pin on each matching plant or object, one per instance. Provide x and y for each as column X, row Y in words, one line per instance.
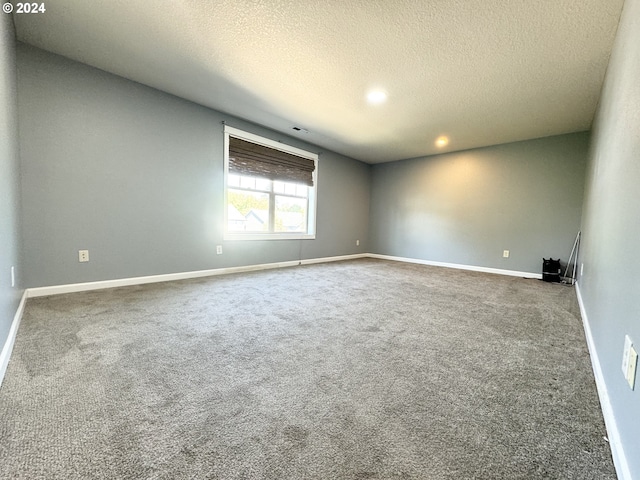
column 364, row 369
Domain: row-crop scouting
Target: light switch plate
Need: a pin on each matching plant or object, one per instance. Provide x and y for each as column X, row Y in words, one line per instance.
column 631, row 369
column 625, row 355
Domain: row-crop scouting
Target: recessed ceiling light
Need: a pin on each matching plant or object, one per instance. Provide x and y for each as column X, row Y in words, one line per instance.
column 442, row 141
column 376, row 97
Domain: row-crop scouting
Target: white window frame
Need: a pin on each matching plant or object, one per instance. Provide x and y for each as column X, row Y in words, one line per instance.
column 313, row 191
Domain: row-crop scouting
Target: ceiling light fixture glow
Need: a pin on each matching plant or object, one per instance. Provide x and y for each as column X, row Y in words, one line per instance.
column 442, row 141
column 376, row 97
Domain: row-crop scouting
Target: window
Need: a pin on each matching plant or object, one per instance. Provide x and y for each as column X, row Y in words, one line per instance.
column 270, row 189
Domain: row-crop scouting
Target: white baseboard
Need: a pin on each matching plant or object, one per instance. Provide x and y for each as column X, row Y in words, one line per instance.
column 617, row 450
column 125, row 282
column 499, row 271
column 311, row 261
column 167, row 277
column 8, row 344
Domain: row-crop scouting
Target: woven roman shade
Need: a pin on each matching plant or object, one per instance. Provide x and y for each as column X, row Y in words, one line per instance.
column 246, row 158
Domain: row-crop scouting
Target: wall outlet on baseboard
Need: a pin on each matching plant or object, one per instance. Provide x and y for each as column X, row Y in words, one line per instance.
column 357, row 243
column 625, row 354
column 83, row 255
column 629, row 361
column 631, row 370
column 505, row 253
column 13, row 276
column 218, row 249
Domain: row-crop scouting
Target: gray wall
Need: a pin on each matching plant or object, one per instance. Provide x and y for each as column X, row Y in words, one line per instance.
column 610, row 285
column 467, row 207
column 9, row 180
column 135, row 176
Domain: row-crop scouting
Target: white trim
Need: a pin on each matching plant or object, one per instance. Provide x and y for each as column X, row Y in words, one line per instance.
column 499, row 271
column 311, row 261
column 267, row 142
column 617, row 449
column 268, row 236
column 124, row 282
column 168, row 277
column 11, row 338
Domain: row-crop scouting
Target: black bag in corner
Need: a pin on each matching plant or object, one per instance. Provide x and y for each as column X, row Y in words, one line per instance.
column 551, row 270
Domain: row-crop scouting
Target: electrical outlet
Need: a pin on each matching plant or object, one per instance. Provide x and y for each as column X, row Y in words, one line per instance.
column 83, row 255
column 625, row 354
column 357, row 243
column 219, row 249
column 631, row 368
column 505, row 253
column 581, row 268
column 629, row 361
column 13, row 276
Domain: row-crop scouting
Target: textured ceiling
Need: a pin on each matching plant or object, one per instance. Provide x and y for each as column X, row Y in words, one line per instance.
column 482, row 72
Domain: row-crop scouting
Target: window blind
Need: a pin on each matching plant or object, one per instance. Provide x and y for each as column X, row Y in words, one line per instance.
column 247, row 158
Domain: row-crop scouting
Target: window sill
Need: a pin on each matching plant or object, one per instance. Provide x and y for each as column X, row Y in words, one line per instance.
column 268, row 236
